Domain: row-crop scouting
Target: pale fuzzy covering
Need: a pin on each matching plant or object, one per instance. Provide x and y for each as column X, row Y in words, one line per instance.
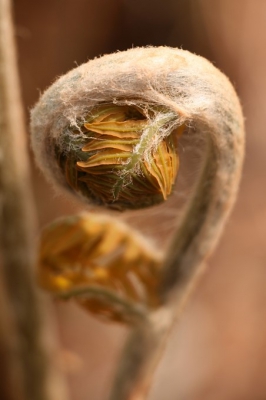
column 188, row 84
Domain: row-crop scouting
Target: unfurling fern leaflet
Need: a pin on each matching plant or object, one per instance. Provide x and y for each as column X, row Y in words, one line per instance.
column 122, row 156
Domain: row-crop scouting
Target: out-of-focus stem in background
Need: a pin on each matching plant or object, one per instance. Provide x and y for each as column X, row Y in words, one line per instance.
column 24, row 370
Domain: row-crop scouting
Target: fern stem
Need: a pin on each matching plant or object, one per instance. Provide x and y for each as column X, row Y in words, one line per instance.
column 202, row 223
column 23, row 354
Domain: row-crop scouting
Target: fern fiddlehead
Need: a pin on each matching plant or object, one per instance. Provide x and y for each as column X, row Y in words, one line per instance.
column 109, row 130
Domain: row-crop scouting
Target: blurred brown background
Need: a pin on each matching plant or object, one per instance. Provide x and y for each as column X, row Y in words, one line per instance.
column 218, row 352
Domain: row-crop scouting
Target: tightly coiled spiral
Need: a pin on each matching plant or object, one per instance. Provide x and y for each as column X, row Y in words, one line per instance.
column 108, row 131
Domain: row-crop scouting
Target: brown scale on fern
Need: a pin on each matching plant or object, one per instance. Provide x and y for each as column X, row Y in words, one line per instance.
column 108, row 163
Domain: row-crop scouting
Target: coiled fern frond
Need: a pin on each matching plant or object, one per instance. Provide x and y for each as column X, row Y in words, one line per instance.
column 106, row 267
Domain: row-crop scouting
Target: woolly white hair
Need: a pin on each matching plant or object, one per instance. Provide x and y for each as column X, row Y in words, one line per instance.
column 186, row 84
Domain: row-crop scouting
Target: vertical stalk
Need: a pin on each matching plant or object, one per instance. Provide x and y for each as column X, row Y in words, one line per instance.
column 23, row 358
column 202, row 223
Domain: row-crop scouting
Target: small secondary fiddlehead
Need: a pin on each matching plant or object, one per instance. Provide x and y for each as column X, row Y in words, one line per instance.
column 109, row 269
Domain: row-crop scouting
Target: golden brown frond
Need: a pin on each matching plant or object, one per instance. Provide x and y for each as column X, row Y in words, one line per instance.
column 92, row 259
column 127, row 176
